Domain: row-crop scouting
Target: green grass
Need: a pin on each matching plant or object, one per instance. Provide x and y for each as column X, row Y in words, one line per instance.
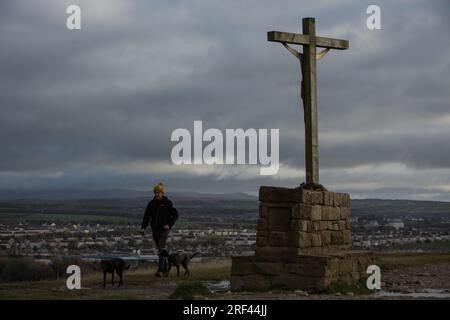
column 204, row 274
column 396, row 260
column 135, row 287
column 435, row 245
column 338, row 287
column 66, row 217
column 9, row 216
column 190, row 291
column 138, row 284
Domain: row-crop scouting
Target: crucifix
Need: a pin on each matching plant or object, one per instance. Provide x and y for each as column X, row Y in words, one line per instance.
column 307, row 59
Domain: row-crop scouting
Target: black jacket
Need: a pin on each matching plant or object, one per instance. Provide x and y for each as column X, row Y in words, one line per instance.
column 159, row 213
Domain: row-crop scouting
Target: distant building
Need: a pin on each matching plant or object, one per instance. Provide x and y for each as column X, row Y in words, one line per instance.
column 372, row 224
column 396, row 223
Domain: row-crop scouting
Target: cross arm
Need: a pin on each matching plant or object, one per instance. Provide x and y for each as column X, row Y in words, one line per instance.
column 286, row 37
column 302, row 39
column 331, row 43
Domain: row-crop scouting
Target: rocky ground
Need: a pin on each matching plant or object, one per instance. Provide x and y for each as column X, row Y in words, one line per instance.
column 404, row 283
column 416, row 278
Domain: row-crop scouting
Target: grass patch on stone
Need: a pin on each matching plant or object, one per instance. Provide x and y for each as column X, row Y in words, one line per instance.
column 191, row 291
column 359, row 288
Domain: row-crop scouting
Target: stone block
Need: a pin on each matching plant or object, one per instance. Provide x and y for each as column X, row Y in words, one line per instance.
column 345, row 200
column 262, row 225
column 323, row 225
column 297, row 211
column 305, row 224
column 356, row 276
column 263, row 210
column 308, row 272
column 296, row 225
column 306, row 196
column 345, row 265
column 348, row 224
column 250, row 283
column 299, row 225
column 332, row 269
column 302, row 239
column 295, row 282
column 345, row 213
column 269, row 253
column 268, row 268
column 316, row 240
column 276, row 194
column 306, row 269
column 331, row 213
column 307, row 212
column 347, row 237
column 316, row 213
column 327, row 198
column 279, row 218
column 337, row 237
column 298, row 221
column 337, row 199
column 262, row 233
column 326, row 237
column 261, row 241
column 312, row 226
column 356, row 265
column 317, row 198
column 278, row 239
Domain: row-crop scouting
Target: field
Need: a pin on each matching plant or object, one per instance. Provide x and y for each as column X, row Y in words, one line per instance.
column 435, row 245
column 138, row 284
column 64, row 217
column 141, row 284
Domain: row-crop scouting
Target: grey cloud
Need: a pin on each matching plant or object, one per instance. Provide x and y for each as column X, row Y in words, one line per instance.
column 113, row 92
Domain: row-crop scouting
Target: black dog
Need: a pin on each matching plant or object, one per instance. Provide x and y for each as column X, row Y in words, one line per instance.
column 117, row 265
column 180, row 259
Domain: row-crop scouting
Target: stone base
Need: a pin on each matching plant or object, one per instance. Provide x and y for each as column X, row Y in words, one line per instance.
column 313, row 273
column 295, row 221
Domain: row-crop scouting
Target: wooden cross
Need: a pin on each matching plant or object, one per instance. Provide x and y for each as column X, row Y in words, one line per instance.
column 308, row 58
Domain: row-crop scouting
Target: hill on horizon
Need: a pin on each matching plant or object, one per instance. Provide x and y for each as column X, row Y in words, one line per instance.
column 244, row 201
column 118, row 193
column 79, row 194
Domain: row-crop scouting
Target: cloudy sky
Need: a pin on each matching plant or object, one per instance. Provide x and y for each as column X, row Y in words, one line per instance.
column 95, row 108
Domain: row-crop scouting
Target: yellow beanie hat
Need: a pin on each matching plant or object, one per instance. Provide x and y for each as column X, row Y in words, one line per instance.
column 159, row 187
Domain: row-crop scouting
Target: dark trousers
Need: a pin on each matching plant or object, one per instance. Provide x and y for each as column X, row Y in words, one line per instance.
column 160, row 238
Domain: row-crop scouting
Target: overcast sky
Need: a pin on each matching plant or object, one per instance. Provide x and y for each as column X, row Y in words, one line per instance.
column 95, row 108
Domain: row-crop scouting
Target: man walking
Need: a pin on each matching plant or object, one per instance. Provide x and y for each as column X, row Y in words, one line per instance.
column 161, row 215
